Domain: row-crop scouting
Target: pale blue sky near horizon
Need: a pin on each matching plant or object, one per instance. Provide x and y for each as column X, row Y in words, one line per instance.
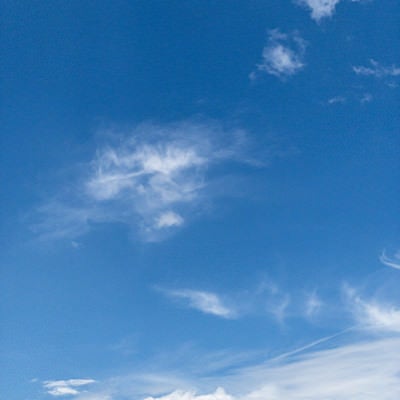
column 192, row 189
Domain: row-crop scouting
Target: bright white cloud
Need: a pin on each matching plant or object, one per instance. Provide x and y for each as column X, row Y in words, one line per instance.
column 368, row 370
column 168, row 219
column 373, row 315
column 219, row 394
column 283, row 55
column 358, row 372
column 320, row 8
column 66, row 387
column 151, row 178
column 393, row 262
column 377, row 70
column 206, row 302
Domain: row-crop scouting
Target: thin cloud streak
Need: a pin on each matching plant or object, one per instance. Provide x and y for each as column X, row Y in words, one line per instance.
column 377, row 70
column 206, row 302
column 393, row 262
column 66, row 387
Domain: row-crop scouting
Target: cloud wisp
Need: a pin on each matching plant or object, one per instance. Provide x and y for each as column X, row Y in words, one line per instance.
column 66, row 387
column 206, row 302
column 313, row 304
column 152, row 178
column 283, row 56
column 337, row 100
column 377, row 70
column 359, row 371
column 393, row 262
column 373, row 315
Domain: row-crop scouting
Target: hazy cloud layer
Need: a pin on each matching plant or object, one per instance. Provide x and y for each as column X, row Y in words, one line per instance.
column 367, row 370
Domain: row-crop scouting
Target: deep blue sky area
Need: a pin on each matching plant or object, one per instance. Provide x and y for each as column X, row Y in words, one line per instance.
column 197, row 195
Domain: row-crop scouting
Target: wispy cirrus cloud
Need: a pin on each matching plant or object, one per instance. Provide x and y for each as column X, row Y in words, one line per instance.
column 373, row 315
column 358, row 371
column 206, row 302
column 151, row 177
column 377, row 70
column 361, row 370
column 267, row 300
column 393, row 262
column 283, row 56
column 66, row 387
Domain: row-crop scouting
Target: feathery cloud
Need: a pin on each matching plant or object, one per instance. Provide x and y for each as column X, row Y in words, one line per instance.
column 206, row 302
column 393, row 262
column 283, row 55
column 357, row 371
column 150, row 178
column 377, row 70
column 373, row 315
column 66, row 387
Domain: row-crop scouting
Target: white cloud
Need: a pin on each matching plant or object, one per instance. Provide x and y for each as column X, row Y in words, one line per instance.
column 206, row 302
column 152, row 178
column 358, row 372
column 283, row 55
column 168, row 219
column 219, row 394
column 320, row 8
column 393, row 262
column 66, row 387
column 373, row 315
column 377, row 70
column 367, row 370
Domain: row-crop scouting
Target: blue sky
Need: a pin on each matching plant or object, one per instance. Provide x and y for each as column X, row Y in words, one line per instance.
column 200, row 200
